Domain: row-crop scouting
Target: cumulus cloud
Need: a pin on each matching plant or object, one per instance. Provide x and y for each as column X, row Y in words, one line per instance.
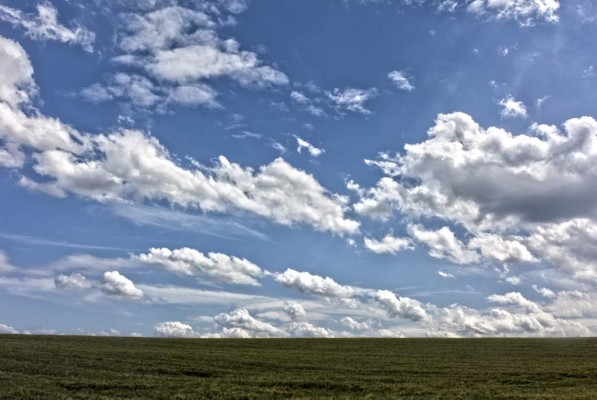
column 117, row 285
column 351, row 99
column 502, row 249
column 514, row 298
column 178, row 50
column 498, row 322
column 143, row 93
column 7, row 330
column 512, row 108
column 524, row 11
column 354, row 324
column 308, row 330
column 242, row 319
column 308, row 104
column 45, row 26
column 294, row 310
column 493, row 183
column 72, row 281
column 446, row 275
column 5, row 265
column 312, row 150
column 401, row 307
column 314, row 284
column 173, row 329
column 443, row 244
column 401, row 80
column 215, row 266
column 389, row 244
column 128, row 165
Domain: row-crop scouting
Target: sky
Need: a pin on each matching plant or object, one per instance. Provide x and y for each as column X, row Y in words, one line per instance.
column 341, row 168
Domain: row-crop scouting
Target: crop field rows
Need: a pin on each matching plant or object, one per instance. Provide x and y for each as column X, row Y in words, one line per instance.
column 61, row 367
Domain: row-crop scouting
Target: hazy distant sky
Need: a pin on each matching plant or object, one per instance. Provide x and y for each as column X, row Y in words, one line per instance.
column 235, row 168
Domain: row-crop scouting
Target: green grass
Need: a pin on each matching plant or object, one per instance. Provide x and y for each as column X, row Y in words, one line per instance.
column 105, row 368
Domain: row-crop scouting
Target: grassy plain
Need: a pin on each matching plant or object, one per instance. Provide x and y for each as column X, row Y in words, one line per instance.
column 61, row 367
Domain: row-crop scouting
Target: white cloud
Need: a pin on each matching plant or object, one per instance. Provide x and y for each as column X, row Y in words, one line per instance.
column 5, row 265
column 499, row 322
column 7, row 330
column 444, row 245
column 351, row 99
column 446, row 275
column 242, row 319
column 545, row 292
column 354, row 324
column 501, row 249
column 173, row 329
column 216, row 266
column 401, row 80
column 294, row 310
column 308, row 104
column 402, row 307
column 307, row 329
column 72, row 281
column 516, row 299
column 117, row 285
column 303, row 144
column 512, row 108
column 45, row 26
column 130, row 166
column 539, row 186
column 198, row 62
column 524, row 11
column 389, row 244
column 314, row 284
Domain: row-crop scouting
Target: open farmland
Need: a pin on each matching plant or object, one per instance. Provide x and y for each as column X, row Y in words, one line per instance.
column 103, row 368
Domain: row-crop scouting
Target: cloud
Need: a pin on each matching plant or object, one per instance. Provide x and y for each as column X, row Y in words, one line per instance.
column 514, row 298
column 351, row 99
column 401, row 307
column 527, row 12
column 45, row 26
column 242, row 319
column 307, row 329
column 512, row 108
column 314, row 284
column 143, row 93
column 129, row 166
column 294, row 310
column 312, row 150
column 118, row 285
column 499, row 322
column 539, row 186
column 446, row 275
column 501, row 249
column 7, row 330
column 215, row 266
column 444, row 245
column 401, row 80
column 173, row 329
column 176, row 51
column 308, row 104
column 389, row 244
column 72, row 281
column 5, row 265
column 197, row 62
column 354, row 324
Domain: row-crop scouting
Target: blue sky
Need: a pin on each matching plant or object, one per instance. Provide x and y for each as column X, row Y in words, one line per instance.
column 226, row 168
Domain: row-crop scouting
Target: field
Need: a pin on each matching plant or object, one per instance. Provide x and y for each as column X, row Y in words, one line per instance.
column 103, row 368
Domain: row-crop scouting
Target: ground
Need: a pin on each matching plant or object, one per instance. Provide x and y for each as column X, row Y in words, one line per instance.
column 62, row 367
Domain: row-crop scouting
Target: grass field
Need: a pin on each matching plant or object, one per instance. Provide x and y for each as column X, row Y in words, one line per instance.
column 103, row 368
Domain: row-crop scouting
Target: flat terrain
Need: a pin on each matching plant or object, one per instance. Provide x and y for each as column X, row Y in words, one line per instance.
column 104, row 368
